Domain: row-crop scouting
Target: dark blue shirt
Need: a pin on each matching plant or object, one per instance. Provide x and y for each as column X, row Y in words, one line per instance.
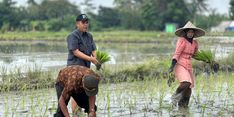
column 74, row 41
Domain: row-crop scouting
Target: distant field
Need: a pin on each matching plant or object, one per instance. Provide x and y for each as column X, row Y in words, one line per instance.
column 107, row 36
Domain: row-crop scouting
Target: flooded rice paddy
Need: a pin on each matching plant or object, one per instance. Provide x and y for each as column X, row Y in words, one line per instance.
column 211, row 97
column 148, row 98
column 48, row 55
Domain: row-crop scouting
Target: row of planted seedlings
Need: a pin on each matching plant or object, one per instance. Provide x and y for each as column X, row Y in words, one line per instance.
column 214, row 96
column 134, row 90
column 131, row 98
column 147, row 97
column 29, row 103
column 217, row 85
column 155, row 71
column 21, row 95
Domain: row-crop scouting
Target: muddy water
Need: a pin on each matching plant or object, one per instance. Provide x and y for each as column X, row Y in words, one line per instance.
column 47, row 55
column 138, row 99
column 26, row 55
column 135, row 99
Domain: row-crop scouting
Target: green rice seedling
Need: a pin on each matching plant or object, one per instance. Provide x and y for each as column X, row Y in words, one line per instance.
column 203, row 106
column 34, row 72
column 130, row 106
column 24, row 87
column 162, row 94
column 16, row 106
column 145, row 108
column 196, row 97
column 108, row 104
column 6, row 108
column 32, row 102
column 102, row 57
column 3, row 73
column 6, row 111
column 208, row 57
column 46, row 102
column 23, row 102
column 131, row 102
column 205, row 56
column 54, row 106
column 219, row 85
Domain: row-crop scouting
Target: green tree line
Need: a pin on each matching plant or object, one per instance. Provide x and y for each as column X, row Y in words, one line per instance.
column 57, row 15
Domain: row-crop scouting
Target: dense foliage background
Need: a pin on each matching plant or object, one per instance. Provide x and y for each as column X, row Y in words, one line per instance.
column 57, row 15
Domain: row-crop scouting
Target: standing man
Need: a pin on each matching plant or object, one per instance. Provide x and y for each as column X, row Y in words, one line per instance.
column 81, row 47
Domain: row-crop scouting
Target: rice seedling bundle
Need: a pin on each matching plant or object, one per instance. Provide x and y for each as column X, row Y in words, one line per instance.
column 102, row 57
column 207, row 57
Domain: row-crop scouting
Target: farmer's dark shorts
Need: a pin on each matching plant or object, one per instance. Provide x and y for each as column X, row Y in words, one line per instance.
column 81, row 99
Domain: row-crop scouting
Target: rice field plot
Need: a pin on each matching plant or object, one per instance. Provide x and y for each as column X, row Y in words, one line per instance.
column 148, row 98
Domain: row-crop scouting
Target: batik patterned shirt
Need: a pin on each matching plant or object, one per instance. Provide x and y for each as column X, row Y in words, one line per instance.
column 71, row 79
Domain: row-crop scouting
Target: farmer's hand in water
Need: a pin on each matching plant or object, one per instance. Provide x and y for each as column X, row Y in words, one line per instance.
column 171, row 79
column 173, row 63
column 92, row 114
column 170, row 70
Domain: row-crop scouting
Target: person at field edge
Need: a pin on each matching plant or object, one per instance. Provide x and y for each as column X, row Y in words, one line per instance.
column 181, row 64
column 80, row 83
column 81, row 47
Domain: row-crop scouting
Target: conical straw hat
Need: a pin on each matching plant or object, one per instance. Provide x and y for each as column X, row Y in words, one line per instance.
column 197, row 31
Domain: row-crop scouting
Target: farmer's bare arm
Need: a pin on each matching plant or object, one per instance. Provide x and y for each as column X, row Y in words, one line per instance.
column 63, row 106
column 84, row 56
column 92, row 112
column 94, row 54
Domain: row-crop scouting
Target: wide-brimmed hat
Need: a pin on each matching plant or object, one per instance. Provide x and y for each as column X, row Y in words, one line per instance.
column 197, row 31
column 90, row 85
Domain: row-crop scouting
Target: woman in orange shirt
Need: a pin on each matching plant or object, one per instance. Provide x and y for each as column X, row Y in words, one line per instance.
column 185, row 48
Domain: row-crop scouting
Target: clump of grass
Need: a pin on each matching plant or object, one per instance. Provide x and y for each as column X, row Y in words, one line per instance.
column 108, row 104
column 34, row 78
column 102, row 57
column 227, row 63
column 150, row 68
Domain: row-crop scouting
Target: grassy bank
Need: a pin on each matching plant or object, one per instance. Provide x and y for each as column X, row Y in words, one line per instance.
column 113, row 36
column 33, row 78
column 106, row 36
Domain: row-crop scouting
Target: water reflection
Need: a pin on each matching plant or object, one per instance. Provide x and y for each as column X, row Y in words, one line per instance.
column 47, row 55
column 30, row 47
